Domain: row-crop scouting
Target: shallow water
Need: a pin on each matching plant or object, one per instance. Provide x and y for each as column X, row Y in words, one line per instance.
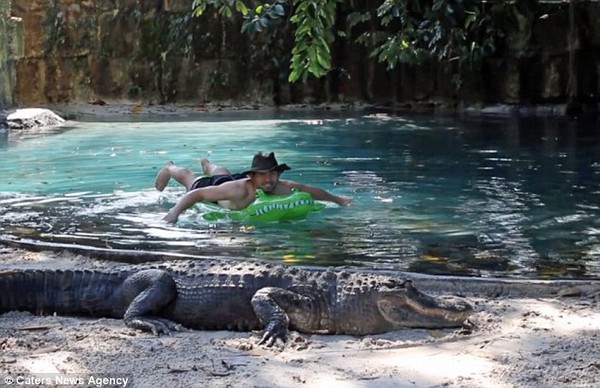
column 479, row 196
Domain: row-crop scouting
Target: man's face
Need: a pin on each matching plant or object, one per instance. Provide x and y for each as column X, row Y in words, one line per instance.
column 266, row 180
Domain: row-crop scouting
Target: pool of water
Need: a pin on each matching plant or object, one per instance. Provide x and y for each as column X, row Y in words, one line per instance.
column 478, row 196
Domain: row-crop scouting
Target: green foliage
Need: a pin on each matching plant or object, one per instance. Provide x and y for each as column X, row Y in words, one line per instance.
column 396, row 31
column 259, row 18
column 444, row 30
column 224, row 7
column 314, row 22
column 313, row 33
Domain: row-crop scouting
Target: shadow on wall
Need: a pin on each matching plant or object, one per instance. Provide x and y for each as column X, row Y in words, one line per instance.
column 6, row 68
column 11, row 48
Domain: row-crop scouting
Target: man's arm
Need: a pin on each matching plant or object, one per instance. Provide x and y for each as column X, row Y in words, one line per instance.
column 227, row 191
column 318, row 193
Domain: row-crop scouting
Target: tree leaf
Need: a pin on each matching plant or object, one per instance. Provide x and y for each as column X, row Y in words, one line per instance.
column 225, row 11
column 315, row 69
column 324, row 60
column 278, row 10
column 312, row 54
column 241, row 7
column 199, row 9
column 293, row 77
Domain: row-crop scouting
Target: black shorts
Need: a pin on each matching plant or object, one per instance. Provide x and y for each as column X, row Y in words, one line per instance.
column 216, row 180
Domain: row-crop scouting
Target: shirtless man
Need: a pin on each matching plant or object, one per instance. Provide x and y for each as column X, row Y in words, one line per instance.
column 234, row 191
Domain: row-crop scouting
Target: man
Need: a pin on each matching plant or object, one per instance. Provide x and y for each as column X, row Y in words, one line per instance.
column 234, row 191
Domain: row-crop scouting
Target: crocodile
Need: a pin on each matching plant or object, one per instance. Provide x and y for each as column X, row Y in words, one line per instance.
column 232, row 295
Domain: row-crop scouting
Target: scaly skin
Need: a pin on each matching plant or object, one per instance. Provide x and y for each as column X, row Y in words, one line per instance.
column 232, row 295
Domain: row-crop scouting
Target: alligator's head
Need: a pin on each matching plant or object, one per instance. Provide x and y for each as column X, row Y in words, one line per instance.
column 402, row 305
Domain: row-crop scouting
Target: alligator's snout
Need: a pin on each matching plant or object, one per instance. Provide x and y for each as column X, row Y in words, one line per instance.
column 408, row 307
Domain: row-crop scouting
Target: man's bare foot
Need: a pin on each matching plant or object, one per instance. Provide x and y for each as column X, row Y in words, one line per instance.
column 163, row 177
column 205, row 163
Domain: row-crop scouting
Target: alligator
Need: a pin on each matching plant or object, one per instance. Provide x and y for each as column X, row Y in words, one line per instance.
column 232, row 295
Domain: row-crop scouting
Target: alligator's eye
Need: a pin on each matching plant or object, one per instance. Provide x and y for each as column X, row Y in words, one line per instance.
column 393, row 283
column 396, row 283
column 389, row 284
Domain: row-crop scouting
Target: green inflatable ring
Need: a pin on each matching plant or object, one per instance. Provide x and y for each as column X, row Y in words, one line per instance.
column 294, row 206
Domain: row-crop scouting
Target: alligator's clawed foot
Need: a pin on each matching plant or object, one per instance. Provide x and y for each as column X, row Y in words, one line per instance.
column 155, row 325
column 468, row 327
column 274, row 329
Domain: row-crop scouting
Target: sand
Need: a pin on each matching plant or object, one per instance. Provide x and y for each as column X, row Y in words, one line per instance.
column 545, row 342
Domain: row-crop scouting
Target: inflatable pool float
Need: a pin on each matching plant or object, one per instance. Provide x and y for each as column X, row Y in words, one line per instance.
column 294, row 206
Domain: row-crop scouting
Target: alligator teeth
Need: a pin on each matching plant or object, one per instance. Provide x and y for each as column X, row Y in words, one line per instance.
column 283, row 206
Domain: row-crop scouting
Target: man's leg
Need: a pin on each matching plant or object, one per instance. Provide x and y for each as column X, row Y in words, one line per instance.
column 184, row 176
column 211, row 169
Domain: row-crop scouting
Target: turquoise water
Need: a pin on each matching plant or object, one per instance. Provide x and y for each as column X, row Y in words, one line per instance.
column 479, row 196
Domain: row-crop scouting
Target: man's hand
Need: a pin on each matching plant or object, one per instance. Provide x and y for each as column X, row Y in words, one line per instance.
column 171, row 216
column 342, row 200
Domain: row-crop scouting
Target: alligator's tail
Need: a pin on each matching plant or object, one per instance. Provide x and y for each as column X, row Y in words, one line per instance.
column 45, row 292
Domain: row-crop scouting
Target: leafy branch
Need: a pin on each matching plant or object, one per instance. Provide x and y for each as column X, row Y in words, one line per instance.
column 396, row 31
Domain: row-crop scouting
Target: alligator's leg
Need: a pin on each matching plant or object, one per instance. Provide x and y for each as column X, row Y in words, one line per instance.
column 149, row 292
column 267, row 304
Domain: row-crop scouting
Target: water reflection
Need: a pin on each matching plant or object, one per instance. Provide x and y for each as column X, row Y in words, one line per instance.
column 479, row 196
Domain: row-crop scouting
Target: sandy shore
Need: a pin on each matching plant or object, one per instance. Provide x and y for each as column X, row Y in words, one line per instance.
column 547, row 342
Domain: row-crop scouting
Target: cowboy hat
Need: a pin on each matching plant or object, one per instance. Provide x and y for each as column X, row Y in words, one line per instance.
column 266, row 163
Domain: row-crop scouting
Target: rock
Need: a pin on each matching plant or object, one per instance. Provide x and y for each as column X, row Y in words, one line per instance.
column 33, row 118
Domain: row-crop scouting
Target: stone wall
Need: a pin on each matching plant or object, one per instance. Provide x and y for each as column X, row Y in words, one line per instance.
column 11, row 49
column 124, row 50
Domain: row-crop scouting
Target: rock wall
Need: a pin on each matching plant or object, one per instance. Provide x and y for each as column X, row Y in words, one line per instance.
column 124, row 50
column 11, row 48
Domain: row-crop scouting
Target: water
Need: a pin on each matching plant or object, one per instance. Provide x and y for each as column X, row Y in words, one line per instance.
column 478, row 196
